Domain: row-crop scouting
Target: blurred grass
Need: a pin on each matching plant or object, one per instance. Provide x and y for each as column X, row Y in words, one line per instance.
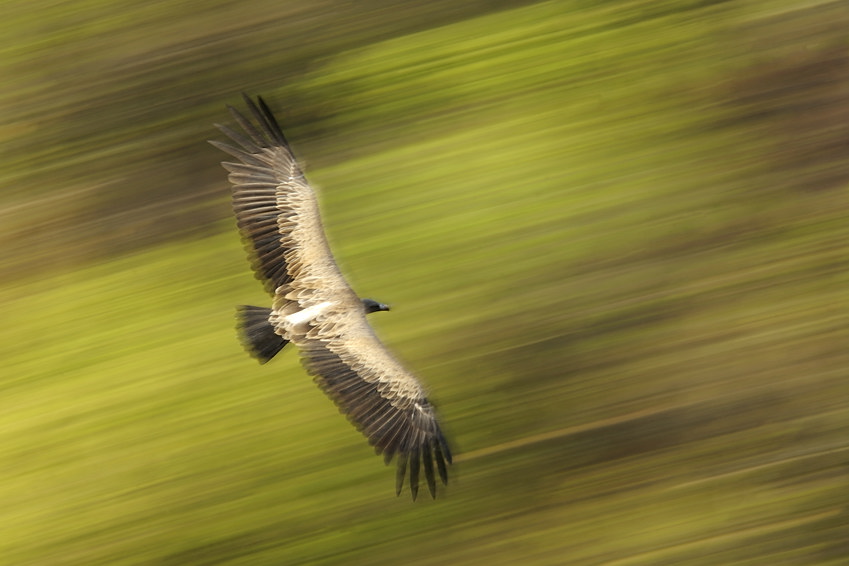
column 605, row 255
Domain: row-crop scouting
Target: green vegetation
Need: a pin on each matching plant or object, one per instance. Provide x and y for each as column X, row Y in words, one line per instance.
column 613, row 235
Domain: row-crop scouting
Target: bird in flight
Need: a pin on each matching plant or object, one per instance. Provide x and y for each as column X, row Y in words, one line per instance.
column 314, row 308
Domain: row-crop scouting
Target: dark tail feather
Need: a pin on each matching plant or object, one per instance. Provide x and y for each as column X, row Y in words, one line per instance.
column 257, row 334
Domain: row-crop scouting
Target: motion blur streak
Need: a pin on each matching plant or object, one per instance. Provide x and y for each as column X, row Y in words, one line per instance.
column 613, row 235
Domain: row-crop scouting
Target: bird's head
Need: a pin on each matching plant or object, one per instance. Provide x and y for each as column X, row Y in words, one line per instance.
column 370, row 305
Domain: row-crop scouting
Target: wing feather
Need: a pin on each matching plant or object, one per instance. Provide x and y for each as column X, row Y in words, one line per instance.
column 414, row 471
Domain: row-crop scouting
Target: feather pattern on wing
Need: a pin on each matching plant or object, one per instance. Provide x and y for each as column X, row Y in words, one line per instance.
column 315, row 309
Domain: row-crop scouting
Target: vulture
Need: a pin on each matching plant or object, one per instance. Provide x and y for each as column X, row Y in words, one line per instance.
column 314, row 308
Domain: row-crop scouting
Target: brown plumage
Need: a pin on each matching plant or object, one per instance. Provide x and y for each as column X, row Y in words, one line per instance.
column 315, row 308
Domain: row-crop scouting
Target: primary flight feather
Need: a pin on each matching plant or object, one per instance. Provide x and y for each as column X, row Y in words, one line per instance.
column 314, row 308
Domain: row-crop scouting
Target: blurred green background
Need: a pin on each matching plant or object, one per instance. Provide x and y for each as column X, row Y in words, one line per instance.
column 614, row 236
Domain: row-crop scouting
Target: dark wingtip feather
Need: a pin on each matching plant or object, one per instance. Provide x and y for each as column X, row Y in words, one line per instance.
column 440, row 463
column 399, row 474
column 414, row 473
column 271, row 120
column 257, row 137
column 427, row 460
column 263, row 114
column 446, row 450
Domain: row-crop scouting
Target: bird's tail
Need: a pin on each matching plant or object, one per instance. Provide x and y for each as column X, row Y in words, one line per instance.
column 257, row 334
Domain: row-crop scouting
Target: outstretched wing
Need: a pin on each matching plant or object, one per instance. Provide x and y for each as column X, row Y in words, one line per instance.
column 377, row 394
column 277, row 214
